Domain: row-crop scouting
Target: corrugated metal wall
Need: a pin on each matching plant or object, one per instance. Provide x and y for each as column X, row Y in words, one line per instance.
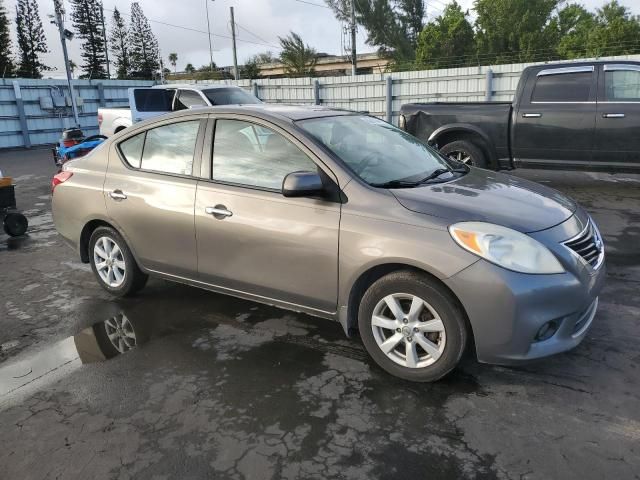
column 24, row 121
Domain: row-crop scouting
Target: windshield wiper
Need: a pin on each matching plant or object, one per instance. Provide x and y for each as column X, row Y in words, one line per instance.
column 435, row 174
column 396, row 184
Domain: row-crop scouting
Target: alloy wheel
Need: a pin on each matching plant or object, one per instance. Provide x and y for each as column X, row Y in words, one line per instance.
column 461, row 157
column 408, row 330
column 109, row 261
column 120, row 333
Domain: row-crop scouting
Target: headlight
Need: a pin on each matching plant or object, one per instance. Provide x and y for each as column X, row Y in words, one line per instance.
column 505, row 247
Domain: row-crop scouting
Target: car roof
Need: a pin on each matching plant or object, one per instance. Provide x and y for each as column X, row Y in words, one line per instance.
column 580, row 63
column 272, row 111
column 193, row 86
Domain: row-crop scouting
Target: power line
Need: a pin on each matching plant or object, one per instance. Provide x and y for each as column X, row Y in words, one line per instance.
column 314, row 4
column 199, row 31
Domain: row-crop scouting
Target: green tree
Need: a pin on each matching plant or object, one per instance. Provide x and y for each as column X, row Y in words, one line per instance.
column 447, row 40
column 189, row 68
column 31, row 40
column 514, row 30
column 173, row 60
column 572, row 25
column 299, row 59
column 87, row 21
column 6, row 60
column 391, row 25
column 144, row 51
column 616, row 32
column 250, row 69
column 119, row 45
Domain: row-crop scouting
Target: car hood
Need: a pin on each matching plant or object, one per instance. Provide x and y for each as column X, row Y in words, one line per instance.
column 492, row 197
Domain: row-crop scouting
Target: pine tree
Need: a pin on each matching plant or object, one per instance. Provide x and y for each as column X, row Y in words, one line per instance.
column 120, row 45
column 87, row 21
column 6, row 60
column 145, row 53
column 31, row 39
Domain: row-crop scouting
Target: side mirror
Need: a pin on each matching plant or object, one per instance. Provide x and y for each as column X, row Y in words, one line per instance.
column 302, row 184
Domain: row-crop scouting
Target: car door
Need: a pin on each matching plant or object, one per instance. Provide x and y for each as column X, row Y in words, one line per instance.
column 186, row 99
column 149, row 102
column 618, row 117
column 555, row 121
column 250, row 237
column 150, row 193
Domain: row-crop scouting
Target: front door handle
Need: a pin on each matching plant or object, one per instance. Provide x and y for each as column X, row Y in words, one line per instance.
column 531, row 115
column 219, row 212
column 613, row 115
column 117, row 195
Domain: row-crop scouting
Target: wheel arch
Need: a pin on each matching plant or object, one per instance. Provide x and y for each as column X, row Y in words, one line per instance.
column 450, row 133
column 374, row 273
column 88, row 229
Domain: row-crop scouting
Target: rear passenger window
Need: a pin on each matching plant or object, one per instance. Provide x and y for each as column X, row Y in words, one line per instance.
column 622, row 85
column 131, row 149
column 170, row 148
column 564, row 87
column 166, row 149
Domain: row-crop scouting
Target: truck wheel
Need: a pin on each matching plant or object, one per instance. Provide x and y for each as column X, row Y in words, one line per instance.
column 464, row 151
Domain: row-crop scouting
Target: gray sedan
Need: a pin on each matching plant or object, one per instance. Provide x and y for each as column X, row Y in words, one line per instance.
column 342, row 216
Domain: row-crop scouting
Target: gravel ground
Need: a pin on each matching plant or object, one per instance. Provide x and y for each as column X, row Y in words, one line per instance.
column 224, row 388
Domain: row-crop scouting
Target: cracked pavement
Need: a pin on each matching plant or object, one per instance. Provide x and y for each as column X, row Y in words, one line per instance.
column 224, row 388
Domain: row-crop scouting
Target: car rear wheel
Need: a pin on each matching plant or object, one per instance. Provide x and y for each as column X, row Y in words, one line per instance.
column 466, row 152
column 113, row 264
column 412, row 327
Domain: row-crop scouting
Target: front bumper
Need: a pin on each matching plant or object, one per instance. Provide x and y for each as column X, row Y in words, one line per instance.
column 507, row 309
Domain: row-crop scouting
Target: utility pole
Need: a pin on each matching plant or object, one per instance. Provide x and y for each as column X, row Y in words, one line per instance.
column 63, row 39
column 106, row 45
column 235, row 55
column 354, row 60
column 206, row 6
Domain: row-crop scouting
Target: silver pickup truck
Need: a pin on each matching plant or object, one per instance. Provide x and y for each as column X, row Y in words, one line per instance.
column 150, row 102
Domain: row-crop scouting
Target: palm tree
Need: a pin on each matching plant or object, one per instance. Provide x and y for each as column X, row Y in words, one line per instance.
column 173, row 60
column 299, row 60
column 72, row 67
column 189, row 68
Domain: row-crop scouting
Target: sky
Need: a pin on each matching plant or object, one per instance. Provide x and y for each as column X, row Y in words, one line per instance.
column 260, row 23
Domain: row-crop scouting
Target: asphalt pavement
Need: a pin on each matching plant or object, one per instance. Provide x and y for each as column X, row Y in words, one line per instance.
column 210, row 386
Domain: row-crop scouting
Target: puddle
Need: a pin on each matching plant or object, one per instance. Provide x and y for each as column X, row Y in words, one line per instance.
column 102, row 341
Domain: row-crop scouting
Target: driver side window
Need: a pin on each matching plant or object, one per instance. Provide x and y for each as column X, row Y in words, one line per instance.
column 249, row 154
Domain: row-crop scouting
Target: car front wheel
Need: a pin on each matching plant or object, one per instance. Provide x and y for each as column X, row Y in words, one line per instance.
column 412, row 327
column 113, row 264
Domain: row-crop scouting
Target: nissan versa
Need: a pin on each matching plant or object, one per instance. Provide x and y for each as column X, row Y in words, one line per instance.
column 343, row 216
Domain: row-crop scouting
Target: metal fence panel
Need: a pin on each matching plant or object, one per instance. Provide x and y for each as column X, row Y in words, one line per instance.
column 25, row 122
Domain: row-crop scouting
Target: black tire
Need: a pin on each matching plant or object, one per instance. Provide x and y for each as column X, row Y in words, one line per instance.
column 466, row 148
column 441, row 300
column 15, row 224
column 134, row 278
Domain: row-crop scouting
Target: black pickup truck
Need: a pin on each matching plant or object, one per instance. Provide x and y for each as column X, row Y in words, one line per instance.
column 578, row 115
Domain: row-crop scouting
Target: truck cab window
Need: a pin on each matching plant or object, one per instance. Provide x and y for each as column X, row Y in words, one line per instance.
column 622, row 85
column 187, row 99
column 562, row 87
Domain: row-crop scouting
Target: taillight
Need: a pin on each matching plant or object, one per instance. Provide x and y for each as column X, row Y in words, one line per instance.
column 59, row 178
column 99, row 119
column 69, row 143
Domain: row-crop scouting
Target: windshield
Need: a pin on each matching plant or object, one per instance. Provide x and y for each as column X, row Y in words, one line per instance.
column 230, row 96
column 376, row 151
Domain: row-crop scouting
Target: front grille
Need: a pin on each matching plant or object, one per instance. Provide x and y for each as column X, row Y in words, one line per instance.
column 588, row 245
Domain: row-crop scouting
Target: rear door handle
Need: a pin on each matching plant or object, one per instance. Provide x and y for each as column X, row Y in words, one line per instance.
column 531, row 115
column 613, row 115
column 219, row 212
column 117, row 195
